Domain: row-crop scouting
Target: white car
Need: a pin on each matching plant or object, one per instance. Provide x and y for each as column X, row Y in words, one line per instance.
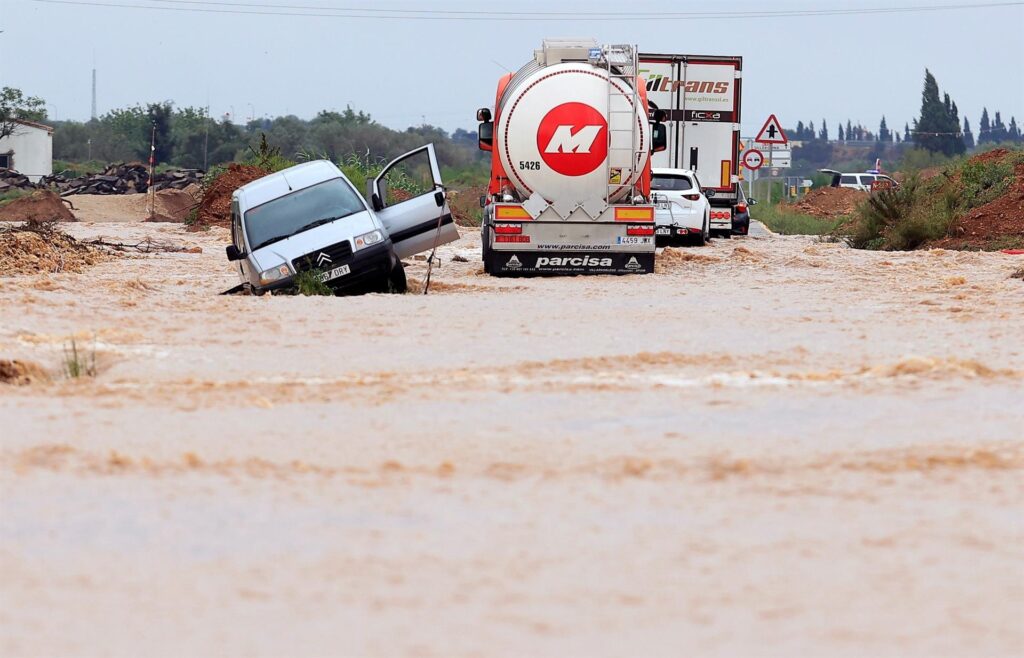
column 682, row 211
column 869, row 181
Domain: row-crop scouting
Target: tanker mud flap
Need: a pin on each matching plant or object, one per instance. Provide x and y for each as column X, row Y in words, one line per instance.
column 553, row 263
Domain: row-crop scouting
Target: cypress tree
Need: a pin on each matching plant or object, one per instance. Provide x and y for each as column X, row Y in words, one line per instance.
column 906, row 132
column 984, row 127
column 1014, row 132
column 937, row 130
column 968, row 135
column 824, row 130
column 842, row 138
column 883, row 131
column 849, row 129
column 998, row 130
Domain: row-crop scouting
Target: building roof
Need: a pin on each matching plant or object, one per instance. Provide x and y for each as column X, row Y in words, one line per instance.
column 33, row 124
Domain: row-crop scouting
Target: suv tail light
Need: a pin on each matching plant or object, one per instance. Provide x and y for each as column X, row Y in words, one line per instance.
column 692, row 197
column 741, row 207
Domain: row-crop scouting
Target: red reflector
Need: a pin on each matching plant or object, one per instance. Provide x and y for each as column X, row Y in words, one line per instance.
column 511, row 238
column 741, row 207
column 639, row 230
column 508, row 229
column 692, row 197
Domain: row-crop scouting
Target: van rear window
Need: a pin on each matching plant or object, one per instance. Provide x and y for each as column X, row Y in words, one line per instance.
column 848, row 180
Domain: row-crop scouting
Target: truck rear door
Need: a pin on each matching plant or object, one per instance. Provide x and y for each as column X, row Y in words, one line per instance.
column 409, row 199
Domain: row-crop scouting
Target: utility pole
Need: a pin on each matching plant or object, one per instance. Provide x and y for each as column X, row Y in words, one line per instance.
column 94, row 93
column 152, row 165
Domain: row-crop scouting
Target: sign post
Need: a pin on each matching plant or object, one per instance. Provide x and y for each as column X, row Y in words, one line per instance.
column 771, row 133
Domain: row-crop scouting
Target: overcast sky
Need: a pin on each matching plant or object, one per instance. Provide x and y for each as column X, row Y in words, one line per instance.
column 406, row 71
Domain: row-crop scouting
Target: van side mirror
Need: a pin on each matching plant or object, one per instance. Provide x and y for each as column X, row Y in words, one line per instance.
column 234, row 253
column 439, row 198
column 659, row 137
column 377, row 200
column 751, row 202
column 485, row 135
column 709, row 193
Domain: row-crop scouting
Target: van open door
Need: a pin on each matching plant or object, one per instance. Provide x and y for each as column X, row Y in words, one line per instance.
column 409, row 199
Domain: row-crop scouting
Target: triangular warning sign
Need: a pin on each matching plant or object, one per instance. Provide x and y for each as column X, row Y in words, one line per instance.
column 772, row 132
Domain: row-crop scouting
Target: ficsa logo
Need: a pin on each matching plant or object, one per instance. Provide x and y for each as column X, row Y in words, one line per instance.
column 573, row 139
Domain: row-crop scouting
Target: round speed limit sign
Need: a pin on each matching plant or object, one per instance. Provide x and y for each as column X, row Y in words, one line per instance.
column 753, row 159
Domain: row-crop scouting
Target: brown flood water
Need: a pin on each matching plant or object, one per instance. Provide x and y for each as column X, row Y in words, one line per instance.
column 772, row 447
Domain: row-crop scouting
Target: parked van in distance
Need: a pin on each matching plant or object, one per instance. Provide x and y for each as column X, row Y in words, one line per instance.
column 311, row 218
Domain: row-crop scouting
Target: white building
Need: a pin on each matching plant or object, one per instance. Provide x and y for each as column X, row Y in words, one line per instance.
column 29, row 150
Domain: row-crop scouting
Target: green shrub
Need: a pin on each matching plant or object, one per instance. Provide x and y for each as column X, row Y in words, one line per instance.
column 309, row 284
column 78, row 364
column 268, row 157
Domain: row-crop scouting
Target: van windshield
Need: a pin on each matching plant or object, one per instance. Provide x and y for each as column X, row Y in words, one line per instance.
column 299, row 211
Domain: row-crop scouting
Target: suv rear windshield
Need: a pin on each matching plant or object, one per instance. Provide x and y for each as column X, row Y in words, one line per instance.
column 671, row 183
column 301, row 210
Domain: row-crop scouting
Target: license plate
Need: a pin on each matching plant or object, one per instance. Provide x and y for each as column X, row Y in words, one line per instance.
column 334, row 274
column 634, row 239
column 664, row 230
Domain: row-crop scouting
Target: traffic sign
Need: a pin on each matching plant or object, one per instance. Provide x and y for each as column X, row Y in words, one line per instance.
column 753, row 159
column 772, row 132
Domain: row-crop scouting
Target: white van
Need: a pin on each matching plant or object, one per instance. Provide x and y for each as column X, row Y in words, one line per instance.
column 867, row 182
column 311, row 218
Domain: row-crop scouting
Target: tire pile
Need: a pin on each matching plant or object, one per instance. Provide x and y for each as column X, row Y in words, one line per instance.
column 119, row 178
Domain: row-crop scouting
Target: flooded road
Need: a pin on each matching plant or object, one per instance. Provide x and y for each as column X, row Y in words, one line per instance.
column 772, row 447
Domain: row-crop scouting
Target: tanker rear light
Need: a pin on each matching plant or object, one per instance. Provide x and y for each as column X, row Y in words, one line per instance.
column 639, row 229
column 508, row 229
column 634, row 214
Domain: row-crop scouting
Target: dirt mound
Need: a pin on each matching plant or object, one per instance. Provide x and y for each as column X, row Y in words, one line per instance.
column 172, row 206
column 34, row 251
column 21, row 373
column 995, row 155
column 215, row 208
column 465, row 205
column 829, row 202
column 1001, row 219
column 41, row 206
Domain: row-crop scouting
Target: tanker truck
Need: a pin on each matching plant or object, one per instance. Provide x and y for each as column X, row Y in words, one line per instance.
column 570, row 141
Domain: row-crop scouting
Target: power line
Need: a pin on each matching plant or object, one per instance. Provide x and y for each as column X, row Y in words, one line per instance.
column 211, row 7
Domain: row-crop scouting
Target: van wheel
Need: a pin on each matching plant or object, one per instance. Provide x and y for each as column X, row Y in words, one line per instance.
column 396, row 281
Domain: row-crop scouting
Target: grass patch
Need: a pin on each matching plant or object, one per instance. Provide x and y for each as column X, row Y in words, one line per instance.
column 11, row 195
column 308, row 284
column 787, row 222
column 78, row 364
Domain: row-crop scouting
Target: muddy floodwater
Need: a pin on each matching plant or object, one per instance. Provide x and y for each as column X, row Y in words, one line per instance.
column 772, row 447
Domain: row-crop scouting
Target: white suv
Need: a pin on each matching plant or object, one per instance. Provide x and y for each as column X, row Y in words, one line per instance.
column 682, row 212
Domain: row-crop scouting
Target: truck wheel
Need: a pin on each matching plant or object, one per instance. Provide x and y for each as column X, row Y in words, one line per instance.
column 484, row 242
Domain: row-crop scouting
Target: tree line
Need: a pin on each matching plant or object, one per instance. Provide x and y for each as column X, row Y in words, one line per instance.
column 938, row 128
column 188, row 137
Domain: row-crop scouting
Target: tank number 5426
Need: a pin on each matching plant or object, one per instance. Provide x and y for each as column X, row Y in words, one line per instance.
column 531, row 165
